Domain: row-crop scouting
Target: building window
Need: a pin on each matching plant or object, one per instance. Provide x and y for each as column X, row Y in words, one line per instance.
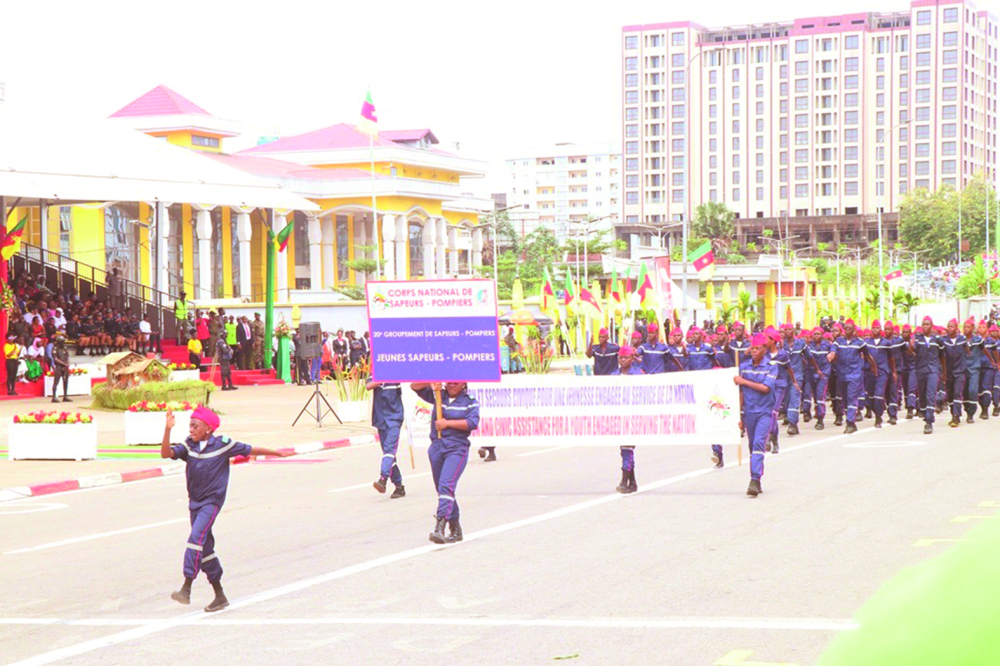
column 801, row 191
column 948, row 166
column 631, row 164
column 851, row 188
column 801, row 85
column 948, row 130
column 801, row 138
column 677, row 38
column 851, row 99
column 631, row 80
column 923, row 132
column 801, row 173
column 121, row 240
column 850, row 171
column 923, row 41
column 760, row 194
column 802, row 46
column 631, row 64
column 851, row 42
column 801, row 156
column 204, row 141
column 632, row 96
column 631, row 42
column 949, row 57
column 632, row 198
column 851, row 82
column 948, row 112
column 923, row 168
column 850, row 135
column 850, row 152
column 948, row 148
column 736, row 194
column 924, row 18
column 951, row 15
column 851, row 64
column 950, row 39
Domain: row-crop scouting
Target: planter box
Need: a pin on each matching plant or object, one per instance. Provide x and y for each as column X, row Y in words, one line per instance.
column 46, row 441
column 360, row 410
column 78, row 385
column 147, row 427
column 183, row 375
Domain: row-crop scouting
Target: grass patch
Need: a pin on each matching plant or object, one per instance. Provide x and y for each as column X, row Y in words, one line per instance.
column 119, row 400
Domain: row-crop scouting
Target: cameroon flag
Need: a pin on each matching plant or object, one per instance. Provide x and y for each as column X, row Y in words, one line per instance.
column 282, row 238
column 704, row 261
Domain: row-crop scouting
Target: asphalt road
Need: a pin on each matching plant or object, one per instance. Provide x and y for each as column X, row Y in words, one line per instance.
column 556, row 567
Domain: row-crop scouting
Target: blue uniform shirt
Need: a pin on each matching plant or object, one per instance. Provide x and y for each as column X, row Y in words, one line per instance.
column 743, row 347
column 700, row 357
column 677, row 353
column 781, row 362
column 755, row 402
column 989, row 345
column 208, row 468
column 850, row 358
column 906, row 360
column 955, row 353
column 818, row 352
column 605, row 360
column 462, row 406
column 928, row 353
column 387, row 405
column 880, row 349
column 795, row 359
column 976, row 359
column 632, row 370
column 725, row 359
column 654, row 358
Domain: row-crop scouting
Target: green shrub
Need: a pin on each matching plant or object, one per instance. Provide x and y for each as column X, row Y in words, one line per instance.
column 192, row 390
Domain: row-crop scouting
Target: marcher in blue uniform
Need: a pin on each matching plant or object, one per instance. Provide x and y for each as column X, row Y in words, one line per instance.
column 740, row 342
column 207, row 456
column 793, row 397
column 725, row 357
column 387, row 418
column 817, row 376
column 880, row 350
column 605, row 354
column 927, row 350
column 974, row 368
column 778, row 357
column 850, row 353
column 449, row 451
column 956, row 351
column 995, row 335
column 652, row 352
column 906, row 365
column 700, row 355
column 893, row 393
column 989, row 370
column 756, row 381
column 627, row 366
column 677, row 360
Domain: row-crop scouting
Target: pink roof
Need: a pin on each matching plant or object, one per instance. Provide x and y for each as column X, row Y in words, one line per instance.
column 266, row 167
column 408, row 135
column 335, row 137
column 160, row 101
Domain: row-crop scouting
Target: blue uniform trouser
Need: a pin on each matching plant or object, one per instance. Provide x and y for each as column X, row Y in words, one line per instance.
column 448, row 461
column 200, row 552
column 717, row 451
column 865, row 401
column 779, row 399
column 908, row 384
column 758, row 426
column 972, row 378
column 996, row 389
column 815, row 391
column 892, row 396
column 850, row 395
column 986, row 388
column 389, row 439
column 793, row 400
column 955, row 388
column 876, row 388
column 836, row 399
column 927, row 390
column 628, row 458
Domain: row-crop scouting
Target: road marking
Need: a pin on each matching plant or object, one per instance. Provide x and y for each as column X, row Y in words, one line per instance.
column 967, row 519
column 283, row 590
column 37, row 507
column 738, row 658
column 91, row 537
column 538, row 453
column 368, row 485
column 924, row 543
column 749, row 623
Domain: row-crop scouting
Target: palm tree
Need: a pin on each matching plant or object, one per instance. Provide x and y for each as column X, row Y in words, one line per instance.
column 714, row 220
column 903, row 302
column 745, row 307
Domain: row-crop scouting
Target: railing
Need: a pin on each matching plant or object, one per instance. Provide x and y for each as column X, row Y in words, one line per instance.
column 67, row 273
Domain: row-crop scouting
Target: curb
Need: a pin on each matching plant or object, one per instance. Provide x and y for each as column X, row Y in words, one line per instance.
column 115, row 478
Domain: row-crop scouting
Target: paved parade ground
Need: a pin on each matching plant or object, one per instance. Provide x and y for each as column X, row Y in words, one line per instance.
column 556, row 567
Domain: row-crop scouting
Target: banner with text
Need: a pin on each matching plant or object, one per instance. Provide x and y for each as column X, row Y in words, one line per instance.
column 672, row 409
column 430, row 331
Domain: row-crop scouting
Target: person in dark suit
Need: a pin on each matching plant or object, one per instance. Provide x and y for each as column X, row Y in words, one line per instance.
column 244, row 338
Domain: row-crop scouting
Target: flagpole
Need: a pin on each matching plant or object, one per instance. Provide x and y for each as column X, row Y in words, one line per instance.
column 269, row 298
column 375, row 230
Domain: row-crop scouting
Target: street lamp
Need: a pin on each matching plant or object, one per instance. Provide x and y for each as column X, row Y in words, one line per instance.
column 492, row 225
column 781, row 246
column 687, row 168
column 880, row 155
column 659, row 229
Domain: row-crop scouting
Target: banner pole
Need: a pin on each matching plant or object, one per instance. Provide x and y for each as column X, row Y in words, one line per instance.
column 269, row 299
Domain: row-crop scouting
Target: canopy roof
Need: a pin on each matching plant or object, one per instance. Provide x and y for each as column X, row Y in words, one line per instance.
column 67, row 160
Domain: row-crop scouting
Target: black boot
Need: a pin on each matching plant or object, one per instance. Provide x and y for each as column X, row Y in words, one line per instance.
column 183, row 595
column 623, row 486
column 819, row 424
column 717, row 460
column 632, row 485
column 482, row 451
column 220, row 601
column 839, row 421
column 928, row 428
column 806, row 417
column 878, row 421
column 437, row 536
column 378, row 485
column 985, row 414
column 491, row 454
column 909, row 413
column 455, row 531
column 400, row 491
column 754, row 488
column 996, row 411
column 892, row 420
column 868, row 413
column 851, row 428
column 955, row 421
column 793, row 429
column 970, row 419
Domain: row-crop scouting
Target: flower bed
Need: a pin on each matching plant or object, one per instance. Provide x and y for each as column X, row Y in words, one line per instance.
column 121, row 399
column 52, row 436
column 72, row 372
column 147, row 406
column 181, row 366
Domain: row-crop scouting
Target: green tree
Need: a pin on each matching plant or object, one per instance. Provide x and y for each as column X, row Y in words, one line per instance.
column 929, row 221
column 714, row 220
column 368, row 267
column 973, row 283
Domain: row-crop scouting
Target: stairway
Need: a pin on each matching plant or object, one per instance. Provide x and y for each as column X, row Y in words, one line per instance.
column 174, row 353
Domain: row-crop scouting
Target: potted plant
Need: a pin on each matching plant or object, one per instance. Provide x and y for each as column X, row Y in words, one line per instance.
column 145, row 422
column 180, row 372
column 349, row 390
column 52, row 436
column 78, row 384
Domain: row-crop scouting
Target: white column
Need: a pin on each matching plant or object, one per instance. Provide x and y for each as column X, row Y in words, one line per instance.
column 388, row 247
column 328, row 229
column 442, row 248
column 315, row 256
column 204, row 228
column 281, row 265
column 163, row 249
column 361, row 225
column 453, row 250
column 402, row 240
column 477, row 247
column 428, row 238
column 244, row 232
column 43, row 217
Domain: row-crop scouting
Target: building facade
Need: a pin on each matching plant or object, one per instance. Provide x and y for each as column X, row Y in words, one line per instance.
column 562, row 183
column 828, row 118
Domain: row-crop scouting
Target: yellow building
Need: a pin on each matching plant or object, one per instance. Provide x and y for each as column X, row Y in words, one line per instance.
column 423, row 226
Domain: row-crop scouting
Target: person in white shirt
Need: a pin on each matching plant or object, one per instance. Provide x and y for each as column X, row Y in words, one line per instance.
column 59, row 320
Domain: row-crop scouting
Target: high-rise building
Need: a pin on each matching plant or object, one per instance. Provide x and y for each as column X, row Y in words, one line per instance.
column 562, row 183
column 813, row 124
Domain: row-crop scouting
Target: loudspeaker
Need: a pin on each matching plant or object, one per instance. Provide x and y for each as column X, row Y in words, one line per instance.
column 310, row 340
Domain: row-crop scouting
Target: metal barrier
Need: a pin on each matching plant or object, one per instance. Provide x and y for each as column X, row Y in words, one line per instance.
column 67, row 273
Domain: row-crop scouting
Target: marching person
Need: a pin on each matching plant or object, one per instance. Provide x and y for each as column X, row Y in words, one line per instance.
column 989, row 370
column 794, row 347
column 880, row 349
column 605, row 354
column 626, row 366
column 652, row 352
column 777, row 356
column 816, row 374
column 449, row 450
column 928, row 351
column 956, row 349
column 700, row 355
column 906, row 362
column 850, row 352
column 756, row 381
column 740, row 342
column 207, row 456
column 677, row 360
column 893, row 393
column 60, row 368
column 387, row 418
column 975, row 368
column 995, row 336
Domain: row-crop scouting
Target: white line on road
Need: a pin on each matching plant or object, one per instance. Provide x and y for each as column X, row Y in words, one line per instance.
column 757, row 623
column 91, row 537
column 164, row 625
column 368, row 485
column 536, row 453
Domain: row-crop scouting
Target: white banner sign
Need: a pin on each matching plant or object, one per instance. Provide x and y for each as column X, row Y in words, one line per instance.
column 671, row 409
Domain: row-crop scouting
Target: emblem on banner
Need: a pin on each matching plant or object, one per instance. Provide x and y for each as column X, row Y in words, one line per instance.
column 483, row 297
column 380, row 301
column 718, row 407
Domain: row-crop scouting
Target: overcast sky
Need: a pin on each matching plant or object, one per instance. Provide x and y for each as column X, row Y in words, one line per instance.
column 488, row 76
